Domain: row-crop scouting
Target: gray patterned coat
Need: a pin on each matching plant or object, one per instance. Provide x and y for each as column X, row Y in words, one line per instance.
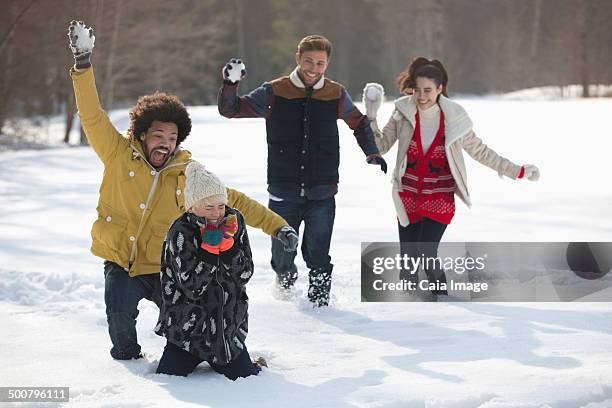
column 204, row 301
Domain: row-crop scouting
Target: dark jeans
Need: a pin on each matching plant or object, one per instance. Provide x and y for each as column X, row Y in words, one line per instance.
column 422, row 239
column 176, row 361
column 121, row 295
column 318, row 217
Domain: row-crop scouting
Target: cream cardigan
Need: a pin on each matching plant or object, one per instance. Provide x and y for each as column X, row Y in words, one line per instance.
column 459, row 136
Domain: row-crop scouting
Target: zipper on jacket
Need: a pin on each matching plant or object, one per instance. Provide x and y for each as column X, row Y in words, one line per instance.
column 227, row 352
column 149, row 198
column 140, row 224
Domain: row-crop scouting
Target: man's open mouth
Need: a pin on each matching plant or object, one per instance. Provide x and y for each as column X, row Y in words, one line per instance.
column 159, row 155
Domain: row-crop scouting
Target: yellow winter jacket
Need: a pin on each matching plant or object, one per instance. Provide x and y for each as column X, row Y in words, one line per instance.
column 138, row 203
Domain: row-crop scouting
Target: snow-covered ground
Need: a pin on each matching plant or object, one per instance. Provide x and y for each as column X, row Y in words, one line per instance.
column 458, row 355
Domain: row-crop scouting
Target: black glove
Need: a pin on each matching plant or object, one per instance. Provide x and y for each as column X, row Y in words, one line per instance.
column 377, row 159
column 288, row 237
column 233, row 71
column 82, row 41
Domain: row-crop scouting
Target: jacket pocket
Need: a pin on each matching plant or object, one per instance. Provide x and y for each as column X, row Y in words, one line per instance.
column 153, row 252
column 109, row 230
column 283, row 161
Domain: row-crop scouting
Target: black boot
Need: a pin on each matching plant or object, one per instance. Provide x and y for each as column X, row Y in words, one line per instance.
column 286, row 280
column 133, row 353
column 320, row 285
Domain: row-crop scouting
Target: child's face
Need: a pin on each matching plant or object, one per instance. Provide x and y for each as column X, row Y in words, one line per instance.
column 213, row 211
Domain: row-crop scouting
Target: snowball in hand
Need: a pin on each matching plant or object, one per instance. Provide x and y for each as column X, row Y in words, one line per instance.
column 82, row 39
column 235, row 70
column 373, row 93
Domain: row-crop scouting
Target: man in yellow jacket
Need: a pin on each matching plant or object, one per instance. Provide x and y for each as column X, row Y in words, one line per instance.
column 141, row 194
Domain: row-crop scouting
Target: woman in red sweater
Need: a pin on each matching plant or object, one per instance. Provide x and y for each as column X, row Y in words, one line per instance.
column 431, row 131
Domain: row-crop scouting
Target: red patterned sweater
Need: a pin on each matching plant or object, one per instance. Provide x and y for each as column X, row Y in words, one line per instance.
column 428, row 185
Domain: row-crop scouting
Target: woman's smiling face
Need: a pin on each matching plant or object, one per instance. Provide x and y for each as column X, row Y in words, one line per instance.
column 426, row 92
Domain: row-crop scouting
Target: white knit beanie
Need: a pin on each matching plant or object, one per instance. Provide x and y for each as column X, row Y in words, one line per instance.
column 201, row 184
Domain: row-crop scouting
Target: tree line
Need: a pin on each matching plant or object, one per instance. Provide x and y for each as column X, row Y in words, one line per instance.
column 180, row 46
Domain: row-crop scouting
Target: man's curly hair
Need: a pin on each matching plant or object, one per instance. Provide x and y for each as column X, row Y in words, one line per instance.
column 162, row 107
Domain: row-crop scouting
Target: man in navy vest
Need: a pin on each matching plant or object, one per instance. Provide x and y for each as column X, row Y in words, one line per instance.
column 301, row 112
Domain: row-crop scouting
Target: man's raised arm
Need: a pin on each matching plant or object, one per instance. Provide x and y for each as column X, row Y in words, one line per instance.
column 100, row 132
column 256, row 104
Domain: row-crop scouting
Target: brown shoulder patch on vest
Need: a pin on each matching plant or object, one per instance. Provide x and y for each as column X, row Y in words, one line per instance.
column 284, row 87
column 331, row 90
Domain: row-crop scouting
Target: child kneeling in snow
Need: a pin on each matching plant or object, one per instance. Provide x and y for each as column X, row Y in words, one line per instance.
column 206, row 263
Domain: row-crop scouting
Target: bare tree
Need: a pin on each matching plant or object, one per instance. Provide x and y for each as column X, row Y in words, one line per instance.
column 583, row 62
column 535, row 40
column 240, row 40
column 7, row 48
column 69, row 118
column 13, row 24
column 109, row 78
column 436, row 27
